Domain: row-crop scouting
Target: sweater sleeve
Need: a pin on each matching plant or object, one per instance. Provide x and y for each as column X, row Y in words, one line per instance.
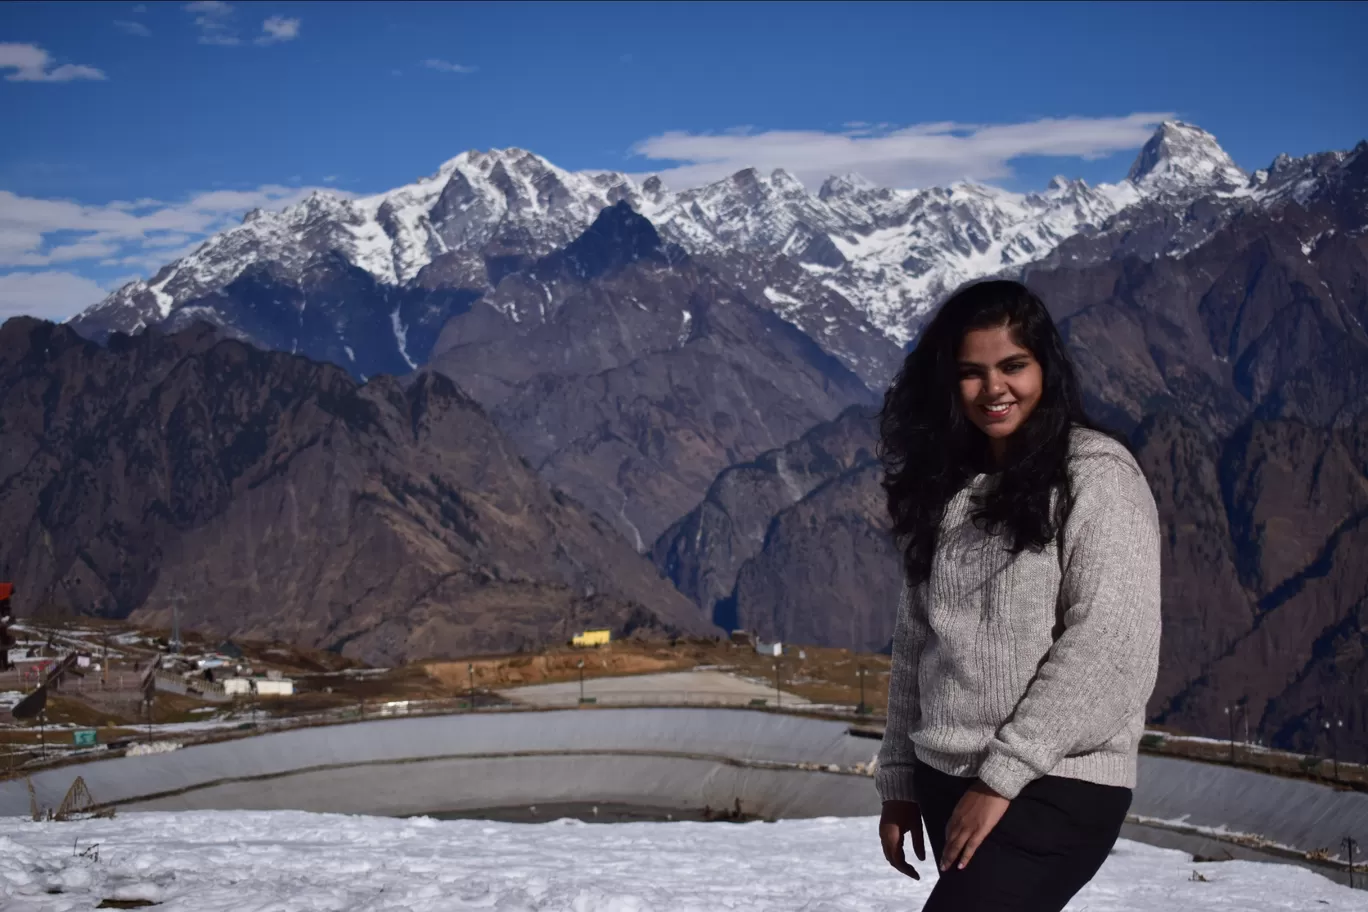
column 1102, row 667
column 893, row 778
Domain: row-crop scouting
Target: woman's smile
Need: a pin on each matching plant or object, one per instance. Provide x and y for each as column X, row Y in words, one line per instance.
column 998, row 411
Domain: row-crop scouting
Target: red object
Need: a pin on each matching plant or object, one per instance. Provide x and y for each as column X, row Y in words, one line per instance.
column 6, row 590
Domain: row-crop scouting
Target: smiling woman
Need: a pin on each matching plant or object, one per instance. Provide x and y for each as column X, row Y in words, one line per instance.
column 1027, row 637
column 1000, row 384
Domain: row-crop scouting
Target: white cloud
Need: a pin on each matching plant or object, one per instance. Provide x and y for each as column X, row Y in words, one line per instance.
column 278, row 28
column 133, row 28
column 145, row 234
column 33, row 64
column 214, row 20
column 920, row 155
column 140, row 8
column 446, row 66
column 50, row 295
column 330, row 179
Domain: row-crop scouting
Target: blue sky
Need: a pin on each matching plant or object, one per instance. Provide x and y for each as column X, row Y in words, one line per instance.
column 131, row 130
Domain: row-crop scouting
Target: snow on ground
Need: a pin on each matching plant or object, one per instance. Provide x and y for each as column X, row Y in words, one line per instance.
column 296, row 862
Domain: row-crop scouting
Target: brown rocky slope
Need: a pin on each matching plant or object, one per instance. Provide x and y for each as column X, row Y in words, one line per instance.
column 630, row 375
column 268, row 495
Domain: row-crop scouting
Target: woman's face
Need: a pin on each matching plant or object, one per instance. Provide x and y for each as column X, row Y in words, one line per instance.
column 999, row 381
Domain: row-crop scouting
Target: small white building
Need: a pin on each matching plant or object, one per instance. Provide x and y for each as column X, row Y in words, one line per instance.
column 769, row 649
column 265, row 687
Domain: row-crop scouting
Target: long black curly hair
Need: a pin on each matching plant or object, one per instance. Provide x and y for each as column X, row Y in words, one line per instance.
column 930, row 449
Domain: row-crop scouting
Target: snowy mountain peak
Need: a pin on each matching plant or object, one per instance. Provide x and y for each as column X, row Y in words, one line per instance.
column 840, row 186
column 786, row 183
column 1181, row 159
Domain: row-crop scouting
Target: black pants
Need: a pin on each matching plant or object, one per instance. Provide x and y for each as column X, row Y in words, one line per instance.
column 1050, row 842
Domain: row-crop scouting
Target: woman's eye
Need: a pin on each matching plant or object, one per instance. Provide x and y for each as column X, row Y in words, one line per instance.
column 1013, row 367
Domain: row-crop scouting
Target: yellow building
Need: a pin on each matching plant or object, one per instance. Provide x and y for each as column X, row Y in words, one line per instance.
column 592, row 637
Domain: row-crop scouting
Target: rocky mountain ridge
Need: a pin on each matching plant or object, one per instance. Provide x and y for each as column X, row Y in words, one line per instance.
column 852, row 265
column 274, row 497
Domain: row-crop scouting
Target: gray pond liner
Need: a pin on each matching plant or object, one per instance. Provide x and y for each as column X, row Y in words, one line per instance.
column 666, row 759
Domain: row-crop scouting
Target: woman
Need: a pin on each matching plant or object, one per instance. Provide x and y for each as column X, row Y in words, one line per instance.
column 1027, row 637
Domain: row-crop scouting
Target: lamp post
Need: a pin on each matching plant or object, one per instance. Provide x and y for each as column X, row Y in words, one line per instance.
column 861, row 709
column 581, row 677
column 470, row 667
column 778, row 694
column 1332, row 729
column 1350, row 843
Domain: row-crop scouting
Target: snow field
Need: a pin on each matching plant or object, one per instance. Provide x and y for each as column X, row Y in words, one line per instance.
column 291, row 861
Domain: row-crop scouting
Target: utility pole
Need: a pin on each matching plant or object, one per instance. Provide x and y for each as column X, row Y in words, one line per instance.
column 581, row 677
column 778, row 694
column 470, row 667
column 862, row 708
column 1230, row 711
column 1350, row 843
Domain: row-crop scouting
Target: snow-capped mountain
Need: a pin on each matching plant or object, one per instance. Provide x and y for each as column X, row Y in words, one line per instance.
column 853, row 265
column 475, row 200
column 1180, row 158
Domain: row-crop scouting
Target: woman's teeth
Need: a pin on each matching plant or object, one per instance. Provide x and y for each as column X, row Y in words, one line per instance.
column 998, row 411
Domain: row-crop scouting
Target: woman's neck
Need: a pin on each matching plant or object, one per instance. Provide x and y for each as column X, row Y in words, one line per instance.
column 997, row 452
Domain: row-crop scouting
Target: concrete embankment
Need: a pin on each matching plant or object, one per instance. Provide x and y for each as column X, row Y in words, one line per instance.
column 1206, row 808
column 777, row 766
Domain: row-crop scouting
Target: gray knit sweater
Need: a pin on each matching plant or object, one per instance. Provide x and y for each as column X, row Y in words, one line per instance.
column 1010, row 667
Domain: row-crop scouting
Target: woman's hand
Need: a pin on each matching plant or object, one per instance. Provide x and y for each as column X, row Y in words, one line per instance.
column 978, row 811
column 898, row 819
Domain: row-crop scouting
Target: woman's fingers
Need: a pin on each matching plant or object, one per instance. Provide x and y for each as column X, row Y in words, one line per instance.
column 971, row 846
column 976, row 814
column 918, row 842
column 955, row 838
column 891, row 836
column 888, row 838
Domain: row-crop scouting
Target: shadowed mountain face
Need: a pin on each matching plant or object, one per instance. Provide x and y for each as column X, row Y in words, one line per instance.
column 705, row 550
column 630, row 376
column 1240, row 372
column 272, row 496
column 332, row 312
